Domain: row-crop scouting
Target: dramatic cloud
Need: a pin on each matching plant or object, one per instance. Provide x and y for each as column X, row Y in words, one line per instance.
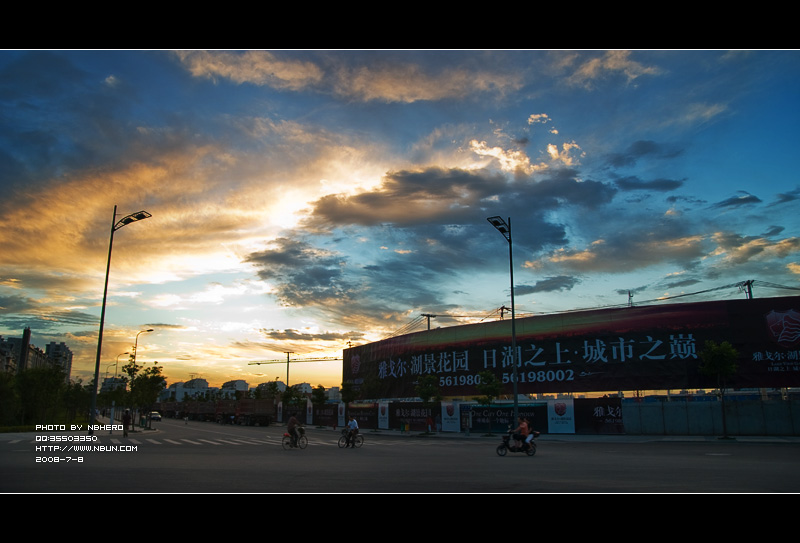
column 302, row 200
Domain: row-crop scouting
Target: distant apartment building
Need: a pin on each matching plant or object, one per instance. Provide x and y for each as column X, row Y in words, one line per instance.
column 303, row 388
column 230, row 388
column 333, row 394
column 61, row 355
column 113, row 383
column 18, row 354
column 193, row 389
column 8, row 360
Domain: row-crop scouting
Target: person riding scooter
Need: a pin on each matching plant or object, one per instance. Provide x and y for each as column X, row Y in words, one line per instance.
column 521, row 433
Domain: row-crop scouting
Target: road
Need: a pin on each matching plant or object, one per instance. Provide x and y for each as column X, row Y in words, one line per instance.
column 210, row 458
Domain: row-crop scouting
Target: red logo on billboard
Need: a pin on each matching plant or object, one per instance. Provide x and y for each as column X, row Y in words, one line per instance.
column 450, row 409
column 561, row 408
column 785, row 327
column 355, row 363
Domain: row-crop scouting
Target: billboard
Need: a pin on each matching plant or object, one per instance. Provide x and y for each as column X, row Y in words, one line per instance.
column 630, row 348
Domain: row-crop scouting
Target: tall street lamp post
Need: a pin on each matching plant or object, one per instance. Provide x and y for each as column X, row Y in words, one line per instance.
column 116, row 364
column 136, row 345
column 115, row 225
column 505, row 228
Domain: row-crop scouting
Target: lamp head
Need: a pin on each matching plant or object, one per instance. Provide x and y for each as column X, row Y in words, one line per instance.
column 133, row 217
column 501, row 225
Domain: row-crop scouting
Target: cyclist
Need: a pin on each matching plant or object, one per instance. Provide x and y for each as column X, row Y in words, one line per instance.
column 351, row 432
column 291, row 428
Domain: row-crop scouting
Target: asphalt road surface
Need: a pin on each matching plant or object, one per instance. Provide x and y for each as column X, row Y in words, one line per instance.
column 211, row 458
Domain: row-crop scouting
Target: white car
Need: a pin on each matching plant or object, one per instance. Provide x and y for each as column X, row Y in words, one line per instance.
column 155, row 415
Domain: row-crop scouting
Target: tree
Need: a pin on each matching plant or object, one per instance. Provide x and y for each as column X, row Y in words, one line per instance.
column 76, row 396
column 272, row 389
column 719, row 360
column 145, row 387
column 9, row 399
column 293, row 399
column 427, row 388
column 318, row 397
column 40, row 391
column 489, row 387
column 349, row 394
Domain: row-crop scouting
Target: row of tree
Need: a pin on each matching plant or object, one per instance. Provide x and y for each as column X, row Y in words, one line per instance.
column 142, row 385
column 41, row 396
column 45, row 395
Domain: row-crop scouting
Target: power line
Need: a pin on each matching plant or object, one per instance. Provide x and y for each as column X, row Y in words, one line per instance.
column 773, row 285
column 416, row 324
column 746, row 286
column 288, row 361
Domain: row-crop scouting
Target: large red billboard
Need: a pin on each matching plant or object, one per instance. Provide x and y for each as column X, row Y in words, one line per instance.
column 631, row 348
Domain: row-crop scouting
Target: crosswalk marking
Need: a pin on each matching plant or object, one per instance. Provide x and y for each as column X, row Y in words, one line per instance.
column 253, row 441
column 117, row 441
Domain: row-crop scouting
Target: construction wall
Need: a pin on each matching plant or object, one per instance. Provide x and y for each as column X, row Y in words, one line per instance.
column 689, row 418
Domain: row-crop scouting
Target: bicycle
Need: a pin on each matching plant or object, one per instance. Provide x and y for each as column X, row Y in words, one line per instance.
column 288, row 441
column 358, row 440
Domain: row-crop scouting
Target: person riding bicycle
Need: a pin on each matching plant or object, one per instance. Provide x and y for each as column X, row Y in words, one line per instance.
column 291, row 428
column 352, row 430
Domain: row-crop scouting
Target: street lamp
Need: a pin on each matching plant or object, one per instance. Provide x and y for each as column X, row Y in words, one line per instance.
column 116, row 364
column 115, row 225
column 136, row 344
column 505, row 228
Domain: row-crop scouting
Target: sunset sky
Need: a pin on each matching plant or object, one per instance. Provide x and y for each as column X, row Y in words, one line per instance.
column 302, row 200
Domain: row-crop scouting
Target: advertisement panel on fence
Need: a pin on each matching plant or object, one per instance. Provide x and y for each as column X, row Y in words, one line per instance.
column 561, row 416
column 631, row 348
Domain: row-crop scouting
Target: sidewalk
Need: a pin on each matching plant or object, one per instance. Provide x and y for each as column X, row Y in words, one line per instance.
column 482, row 436
column 587, row 438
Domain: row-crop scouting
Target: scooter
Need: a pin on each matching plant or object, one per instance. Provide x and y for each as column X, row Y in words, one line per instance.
column 508, row 445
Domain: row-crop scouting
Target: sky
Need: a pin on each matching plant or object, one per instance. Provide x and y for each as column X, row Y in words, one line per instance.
column 303, row 201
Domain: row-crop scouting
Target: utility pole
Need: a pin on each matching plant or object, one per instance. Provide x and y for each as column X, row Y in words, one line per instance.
column 287, row 368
